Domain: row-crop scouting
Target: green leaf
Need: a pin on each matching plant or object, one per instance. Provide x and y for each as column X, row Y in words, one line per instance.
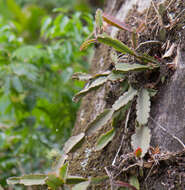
column 22, row 69
column 7, row 85
column 90, row 86
column 64, row 171
column 99, row 122
column 120, row 115
column 133, row 180
column 87, row 77
column 82, row 76
column 25, row 69
column 114, row 56
column 73, row 142
column 46, row 23
column 115, row 76
column 124, row 99
column 105, row 139
column 134, row 39
column 17, row 85
column 148, row 59
column 28, row 52
column 75, row 179
column 143, row 106
column 60, row 163
column 81, row 186
column 54, row 182
column 97, row 180
column 99, row 19
column 126, row 67
column 87, row 43
column 28, row 180
column 141, row 139
column 116, row 44
column 16, row 10
column 18, row 69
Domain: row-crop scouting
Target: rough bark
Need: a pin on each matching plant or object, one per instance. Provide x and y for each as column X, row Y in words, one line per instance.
column 167, row 112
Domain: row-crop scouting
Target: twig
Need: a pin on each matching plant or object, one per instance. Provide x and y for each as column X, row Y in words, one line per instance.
column 125, row 169
column 148, row 42
column 110, row 177
column 151, row 21
column 176, row 138
column 150, row 172
column 146, row 17
column 169, row 4
column 158, row 14
column 126, row 123
column 127, row 119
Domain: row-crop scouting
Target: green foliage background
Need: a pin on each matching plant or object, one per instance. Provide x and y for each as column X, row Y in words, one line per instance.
column 39, row 52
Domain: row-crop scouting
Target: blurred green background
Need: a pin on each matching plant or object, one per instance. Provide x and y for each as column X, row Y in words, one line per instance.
column 39, row 52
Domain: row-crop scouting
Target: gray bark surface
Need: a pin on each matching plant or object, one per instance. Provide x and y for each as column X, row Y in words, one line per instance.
column 169, row 111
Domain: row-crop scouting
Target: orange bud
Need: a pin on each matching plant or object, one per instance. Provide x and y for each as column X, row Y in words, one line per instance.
column 138, row 152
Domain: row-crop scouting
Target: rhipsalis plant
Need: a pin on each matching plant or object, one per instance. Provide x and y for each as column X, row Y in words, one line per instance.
column 138, row 63
column 134, row 71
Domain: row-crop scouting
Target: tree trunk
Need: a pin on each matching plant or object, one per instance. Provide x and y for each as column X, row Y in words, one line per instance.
column 167, row 118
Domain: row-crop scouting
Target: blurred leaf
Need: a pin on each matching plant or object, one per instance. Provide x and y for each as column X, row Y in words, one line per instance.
column 75, row 179
column 7, row 85
column 32, row 179
column 46, row 23
column 54, row 182
column 16, row 10
column 17, row 85
column 105, row 139
column 28, row 52
column 81, row 186
column 25, row 69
